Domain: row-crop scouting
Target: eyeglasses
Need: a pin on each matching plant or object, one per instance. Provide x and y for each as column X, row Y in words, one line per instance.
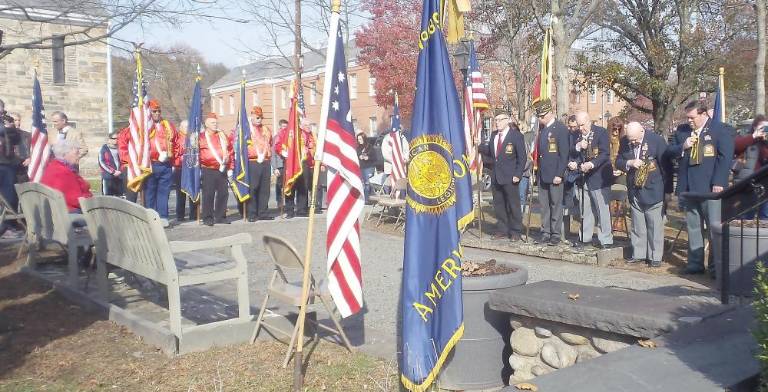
column 258, row 118
column 156, row 111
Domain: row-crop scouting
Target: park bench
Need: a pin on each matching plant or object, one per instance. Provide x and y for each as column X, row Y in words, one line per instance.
column 131, row 237
column 49, row 221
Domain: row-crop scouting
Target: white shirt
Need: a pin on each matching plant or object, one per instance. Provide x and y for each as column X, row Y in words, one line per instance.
column 499, row 139
column 552, row 121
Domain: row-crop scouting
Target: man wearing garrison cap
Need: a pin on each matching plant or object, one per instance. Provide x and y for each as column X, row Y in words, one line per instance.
column 259, row 166
column 165, row 149
column 216, row 161
column 552, row 154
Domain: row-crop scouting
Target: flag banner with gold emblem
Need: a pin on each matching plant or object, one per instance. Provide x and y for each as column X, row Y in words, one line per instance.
column 190, row 162
column 242, row 136
column 439, row 202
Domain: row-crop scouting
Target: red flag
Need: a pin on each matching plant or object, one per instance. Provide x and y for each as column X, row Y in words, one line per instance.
column 293, row 144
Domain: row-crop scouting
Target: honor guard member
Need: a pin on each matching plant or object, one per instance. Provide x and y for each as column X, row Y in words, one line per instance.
column 706, row 154
column 216, row 162
column 594, row 164
column 297, row 204
column 640, row 156
column 259, row 167
column 506, row 150
column 164, row 150
column 553, row 153
column 109, row 163
column 123, row 138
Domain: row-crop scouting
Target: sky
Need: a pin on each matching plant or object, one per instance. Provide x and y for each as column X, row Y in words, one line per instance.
column 220, row 40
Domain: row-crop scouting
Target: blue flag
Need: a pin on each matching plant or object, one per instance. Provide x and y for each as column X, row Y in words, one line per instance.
column 190, row 166
column 439, row 202
column 396, row 115
column 239, row 180
column 717, row 112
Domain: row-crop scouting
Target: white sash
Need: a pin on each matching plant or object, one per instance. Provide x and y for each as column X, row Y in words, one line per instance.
column 223, row 143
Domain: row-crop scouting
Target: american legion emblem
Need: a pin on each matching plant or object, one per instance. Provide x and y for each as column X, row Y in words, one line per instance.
column 430, row 175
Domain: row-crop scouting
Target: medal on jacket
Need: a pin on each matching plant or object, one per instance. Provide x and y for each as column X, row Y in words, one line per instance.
column 552, row 143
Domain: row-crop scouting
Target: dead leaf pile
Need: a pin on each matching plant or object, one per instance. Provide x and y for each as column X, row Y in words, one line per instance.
column 526, row 386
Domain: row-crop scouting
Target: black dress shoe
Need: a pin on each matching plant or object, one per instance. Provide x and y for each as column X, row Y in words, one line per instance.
column 253, row 219
column 267, row 218
column 302, row 214
column 554, row 241
column 208, row 222
column 634, row 261
column 222, row 221
column 544, row 239
column 655, row 264
column 289, row 216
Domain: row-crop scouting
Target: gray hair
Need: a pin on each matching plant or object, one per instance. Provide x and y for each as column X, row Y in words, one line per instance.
column 62, row 147
column 60, row 114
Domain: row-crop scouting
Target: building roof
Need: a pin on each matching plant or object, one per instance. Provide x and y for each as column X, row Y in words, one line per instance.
column 77, row 12
column 280, row 68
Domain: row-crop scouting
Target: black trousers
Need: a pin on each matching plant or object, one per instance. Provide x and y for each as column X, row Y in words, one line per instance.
column 112, row 186
column 279, row 187
column 506, row 206
column 129, row 194
column 214, row 195
column 259, row 175
column 181, row 199
column 298, row 201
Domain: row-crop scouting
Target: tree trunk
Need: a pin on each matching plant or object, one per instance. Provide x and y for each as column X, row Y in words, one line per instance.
column 760, row 60
column 662, row 117
column 561, row 46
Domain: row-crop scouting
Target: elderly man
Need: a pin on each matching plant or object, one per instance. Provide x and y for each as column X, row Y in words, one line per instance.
column 164, row 149
column 63, row 131
column 553, row 150
column 216, row 162
column 506, row 149
column 706, row 153
column 592, row 150
column 61, row 173
column 278, row 166
column 297, row 203
column 259, row 167
column 640, row 156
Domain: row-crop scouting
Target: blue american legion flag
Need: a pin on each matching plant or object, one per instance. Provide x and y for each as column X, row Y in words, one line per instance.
column 439, row 202
column 338, row 152
column 38, row 146
column 239, row 180
column 190, row 167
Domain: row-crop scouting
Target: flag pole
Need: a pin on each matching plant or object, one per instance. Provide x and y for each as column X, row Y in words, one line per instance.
column 721, row 82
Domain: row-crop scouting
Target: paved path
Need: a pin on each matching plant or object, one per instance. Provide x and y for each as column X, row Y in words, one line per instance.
column 382, row 268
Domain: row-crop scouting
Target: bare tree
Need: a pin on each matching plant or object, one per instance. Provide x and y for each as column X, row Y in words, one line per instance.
column 568, row 20
column 87, row 21
column 760, row 60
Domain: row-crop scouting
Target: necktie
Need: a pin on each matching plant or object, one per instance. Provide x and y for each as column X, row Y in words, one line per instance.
column 499, row 140
column 696, row 150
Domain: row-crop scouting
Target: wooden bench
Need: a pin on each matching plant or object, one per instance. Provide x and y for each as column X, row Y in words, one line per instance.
column 49, row 221
column 131, row 237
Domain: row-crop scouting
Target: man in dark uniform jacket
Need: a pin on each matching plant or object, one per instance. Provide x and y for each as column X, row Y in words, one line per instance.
column 594, row 186
column 506, row 150
column 552, row 156
column 641, row 156
column 705, row 155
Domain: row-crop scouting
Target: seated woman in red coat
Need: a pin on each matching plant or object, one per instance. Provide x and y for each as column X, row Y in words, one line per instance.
column 61, row 173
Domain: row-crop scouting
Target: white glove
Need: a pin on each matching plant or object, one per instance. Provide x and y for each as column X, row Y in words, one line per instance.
column 162, row 156
column 284, row 154
column 117, row 173
column 229, row 173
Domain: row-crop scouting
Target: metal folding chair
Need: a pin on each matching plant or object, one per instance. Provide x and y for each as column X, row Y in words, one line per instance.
column 287, row 262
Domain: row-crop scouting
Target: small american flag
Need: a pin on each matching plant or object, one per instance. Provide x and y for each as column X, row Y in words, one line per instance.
column 475, row 101
column 302, row 108
column 140, row 123
column 395, row 141
column 345, row 186
column 39, row 150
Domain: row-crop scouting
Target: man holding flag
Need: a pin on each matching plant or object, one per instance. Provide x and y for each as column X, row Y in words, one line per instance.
column 259, row 165
column 475, row 102
column 394, row 149
column 133, row 143
column 439, row 204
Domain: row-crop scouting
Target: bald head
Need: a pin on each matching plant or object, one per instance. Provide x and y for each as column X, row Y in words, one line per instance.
column 634, row 132
column 583, row 122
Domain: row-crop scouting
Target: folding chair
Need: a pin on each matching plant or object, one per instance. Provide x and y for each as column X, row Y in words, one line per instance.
column 393, row 206
column 286, row 260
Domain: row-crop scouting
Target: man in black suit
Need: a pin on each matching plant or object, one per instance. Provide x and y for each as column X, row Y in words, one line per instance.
column 594, row 186
column 552, row 156
column 643, row 152
column 706, row 153
column 506, row 150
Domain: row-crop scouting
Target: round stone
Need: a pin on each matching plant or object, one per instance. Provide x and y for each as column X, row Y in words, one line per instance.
column 518, row 363
column 585, row 353
column 542, row 332
column 515, row 324
column 572, row 338
column 525, row 342
column 607, row 346
column 558, row 356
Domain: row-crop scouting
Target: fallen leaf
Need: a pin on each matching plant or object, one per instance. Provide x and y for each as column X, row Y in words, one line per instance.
column 647, row 343
column 573, row 296
column 526, row 386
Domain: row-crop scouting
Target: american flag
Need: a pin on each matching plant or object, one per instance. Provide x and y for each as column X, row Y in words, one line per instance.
column 302, row 108
column 475, row 101
column 345, row 186
column 395, row 141
column 39, row 150
column 140, row 122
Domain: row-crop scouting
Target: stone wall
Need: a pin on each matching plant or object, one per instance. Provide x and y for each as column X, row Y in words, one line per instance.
column 82, row 96
column 541, row 346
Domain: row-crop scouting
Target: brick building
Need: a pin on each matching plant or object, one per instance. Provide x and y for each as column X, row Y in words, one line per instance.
column 268, row 84
column 73, row 79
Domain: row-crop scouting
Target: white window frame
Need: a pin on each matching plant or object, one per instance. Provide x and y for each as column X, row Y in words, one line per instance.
column 352, row 86
column 373, row 125
column 283, row 97
column 221, row 106
column 609, row 97
column 313, row 93
column 371, row 86
column 231, row 104
column 255, row 97
column 592, row 94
